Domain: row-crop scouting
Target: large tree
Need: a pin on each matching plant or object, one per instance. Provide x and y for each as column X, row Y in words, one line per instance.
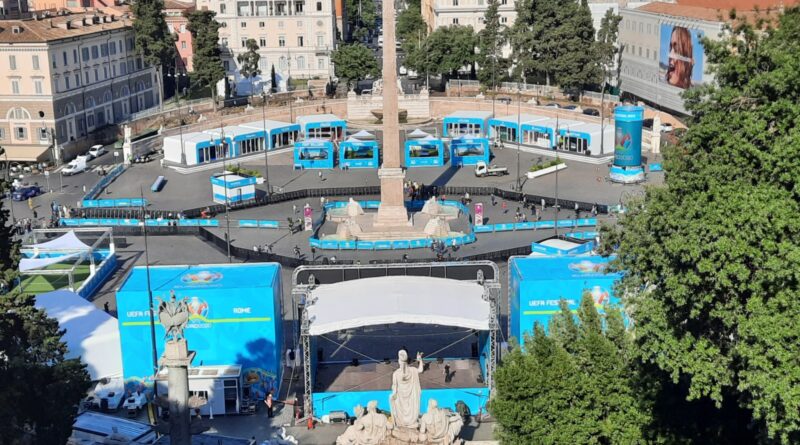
column 154, row 42
column 361, row 15
column 446, row 51
column 492, row 65
column 607, row 46
column 711, row 258
column 577, row 384
column 576, row 65
column 354, row 62
column 41, row 389
column 207, row 56
column 248, row 62
column 410, row 25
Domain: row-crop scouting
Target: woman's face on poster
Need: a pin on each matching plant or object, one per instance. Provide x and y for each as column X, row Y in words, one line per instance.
column 680, row 62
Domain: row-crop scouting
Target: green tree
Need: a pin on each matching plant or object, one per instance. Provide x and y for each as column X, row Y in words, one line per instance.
column 154, row 42
column 248, row 62
column 410, row 25
column 576, row 62
column 490, row 45
column 354, row 62
column 273, row 78
column 361, row 15
column 207, row 56
column 445, row 51
column 578, row 384
column 607, row 47
column 41, row 389
column 711, row 257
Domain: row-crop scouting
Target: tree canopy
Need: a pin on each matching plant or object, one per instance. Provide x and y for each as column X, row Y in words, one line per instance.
column 493, row 67
column 711, row 258
column 248, row 61
column 354, row 62
column 577, row 384
column 154, row 42
column 207, row 56
column 446, row 50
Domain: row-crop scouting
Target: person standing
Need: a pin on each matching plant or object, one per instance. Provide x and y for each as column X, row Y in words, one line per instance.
column 269, row 403
column 30, row 203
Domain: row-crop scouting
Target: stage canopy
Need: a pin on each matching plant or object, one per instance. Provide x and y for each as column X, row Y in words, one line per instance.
column 27, row 264
column 388, row 300
column 67, row 241
column 363, row 135
column 90, row 333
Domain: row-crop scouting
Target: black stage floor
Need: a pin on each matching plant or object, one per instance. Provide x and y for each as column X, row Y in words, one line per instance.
column 464, row 373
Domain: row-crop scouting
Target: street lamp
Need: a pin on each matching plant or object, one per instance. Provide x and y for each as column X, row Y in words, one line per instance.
column 180, row 118
column 225, row 180
column 267, row 140
column 518, row 134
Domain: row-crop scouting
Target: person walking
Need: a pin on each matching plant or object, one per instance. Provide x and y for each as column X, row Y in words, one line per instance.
column 269, row 403
column 30, row 203
column 105, row 307
column 504, row 206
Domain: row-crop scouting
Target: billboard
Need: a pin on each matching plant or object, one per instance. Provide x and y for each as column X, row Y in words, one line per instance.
column 235, row 318
column 538, row 284
column 628, row 136
column 680, row 62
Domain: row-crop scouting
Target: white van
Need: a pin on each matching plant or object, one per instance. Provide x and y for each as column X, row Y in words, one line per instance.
column 380, row 40
column 75, row 166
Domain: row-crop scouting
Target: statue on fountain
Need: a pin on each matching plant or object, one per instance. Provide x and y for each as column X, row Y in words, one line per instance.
column 369, row 428
column 406, row 392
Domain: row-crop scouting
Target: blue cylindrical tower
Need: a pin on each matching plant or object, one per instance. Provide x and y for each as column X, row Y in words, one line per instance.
column 628, row 136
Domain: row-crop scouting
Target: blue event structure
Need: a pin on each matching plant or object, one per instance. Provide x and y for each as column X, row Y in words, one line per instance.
column 236, row 319
column 628, row 122
column 355, row 153
column 466, row 123
column 425, row 152
column 538, row 283
column 322, row 126
column 507, row 128
column 468, row 150
column 314, row 153
column 231, row 189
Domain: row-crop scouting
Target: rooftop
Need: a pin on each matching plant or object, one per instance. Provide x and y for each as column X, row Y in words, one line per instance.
column 562, row 268
column 712, row 11
column 56, row 26
column 226, row 276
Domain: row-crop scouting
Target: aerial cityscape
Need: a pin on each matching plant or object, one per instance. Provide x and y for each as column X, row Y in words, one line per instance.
column 399, row 222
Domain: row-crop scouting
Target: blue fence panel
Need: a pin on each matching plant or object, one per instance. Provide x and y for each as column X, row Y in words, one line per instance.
column 128, row 222
column 347, row 245
column 370, row 204
column 382, row 245
column 266, row 224
column 484, row 229
column 566, row 223
column 419, row 243
column 188, row 222
column 401, row 244
column 503, row 227
column 249, row 223
column 314, row 242
column 365, row 245
column 329, row 244
column 524, row 226
column 545, row 224
column 208, row 223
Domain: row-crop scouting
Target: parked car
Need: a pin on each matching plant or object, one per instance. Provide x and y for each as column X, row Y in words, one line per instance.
column 571, row 107
column 134, row 403
column 412, row 75
column 403, row 71
column 666, row 128
column 591, row 111
column 96, row 151
column 25, row 192
column 504, row 100
column 552, row 105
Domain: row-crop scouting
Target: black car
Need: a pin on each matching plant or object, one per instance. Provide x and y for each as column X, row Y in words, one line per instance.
column 571, row 107
column 504, row 100
column 25, row 192
column 648, row 124
column 591, row 112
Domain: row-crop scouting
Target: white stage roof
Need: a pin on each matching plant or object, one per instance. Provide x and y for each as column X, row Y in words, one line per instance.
column 67, row 241
column 388, row 300
column 91, row 334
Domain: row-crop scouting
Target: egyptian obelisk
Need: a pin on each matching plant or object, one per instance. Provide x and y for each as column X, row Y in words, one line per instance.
column 392, row 211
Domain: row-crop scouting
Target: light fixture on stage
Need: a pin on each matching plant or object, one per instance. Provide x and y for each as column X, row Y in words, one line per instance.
column 354, row 362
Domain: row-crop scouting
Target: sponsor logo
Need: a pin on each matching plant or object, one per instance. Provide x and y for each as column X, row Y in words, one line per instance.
column 201, row 277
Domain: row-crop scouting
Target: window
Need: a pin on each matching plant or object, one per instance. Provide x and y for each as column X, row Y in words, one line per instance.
column 262, row 42
column 78, row 79
column 114, row 70
column 85, row 54
column 12, row 62
column 75, row 56
column 301, row 63
column 281, row 41
column 14, row 86
column 503, row 19
column 222, row 8
column 183, row 29
column 226, row 65
column 244, row 42
column 300, row 41
column 139, row 64
column 21, row 133
column 260, row 24
column 86, row 78
column 455, row 21
column 320, row 41
column 243, row 25
column 648, row 53
column 183, row 45
column 320, row 64
column 503, row 2
column 43, row 134
column 96, row 76
column 64, row 57
column 319, row 6
column 90, row 120
column 95, row 52
column 455, row 2
column 113, row 47
column 35, row 61
column 37, row 86
column 298, row 7
column 648, row 28
column 640, row 51
column 123, row 68
column 54, row 61
column 280, row 24
column 2, row 133
column 66, row 82
column 104, row 49
column 283, row 63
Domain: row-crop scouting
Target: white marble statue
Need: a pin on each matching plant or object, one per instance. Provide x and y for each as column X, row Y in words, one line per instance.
column 353, row 208
column 406, row 392
column 432, row 207
column 438, row 427
column 369, row 428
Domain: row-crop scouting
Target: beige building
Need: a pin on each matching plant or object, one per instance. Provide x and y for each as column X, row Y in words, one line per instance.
column 64, row 77
column 296, row 36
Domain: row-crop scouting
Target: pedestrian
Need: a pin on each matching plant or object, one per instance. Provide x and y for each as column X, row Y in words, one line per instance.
column 297, row 251
column 543, row 204
column 289, row 358
column 84, row 188
column 35, row 215
column 594, row 210
column 492, row 197
column 319, row 173
column 294, row 208
column 30, row 203
column 505, row 207
column 268, row 402
column 105, row 307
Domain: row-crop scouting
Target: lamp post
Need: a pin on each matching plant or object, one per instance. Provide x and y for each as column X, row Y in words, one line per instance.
column 225, row 180
column 149, row 296
column 519, row 127
column 177, row 76
column 267, row 139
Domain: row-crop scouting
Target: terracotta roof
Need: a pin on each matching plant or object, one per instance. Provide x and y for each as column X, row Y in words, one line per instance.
column 739, row 5
column 58, row 27
column 175, row 4
column 718, row 13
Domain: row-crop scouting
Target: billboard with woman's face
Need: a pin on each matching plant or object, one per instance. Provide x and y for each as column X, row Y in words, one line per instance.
column 681, row 56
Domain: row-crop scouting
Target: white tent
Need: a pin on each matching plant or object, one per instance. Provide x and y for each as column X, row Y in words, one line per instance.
column 417, row 134
column 27, row 264
column 67, row 241
column 364, row 135
column 90, row 333
column 388, row 300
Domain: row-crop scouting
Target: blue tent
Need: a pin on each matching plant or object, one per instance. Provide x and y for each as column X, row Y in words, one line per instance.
column 354, row 153
column 425, row 152
column 469, row 150
column 313, row 153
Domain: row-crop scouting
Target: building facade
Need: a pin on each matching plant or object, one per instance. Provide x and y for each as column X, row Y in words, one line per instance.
column 13, row 9
column 65, row 77
column 297, row 37
column 175, row 15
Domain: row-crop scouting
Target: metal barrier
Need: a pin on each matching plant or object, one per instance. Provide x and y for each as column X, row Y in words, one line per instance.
column 103, row 183
column 121, row 202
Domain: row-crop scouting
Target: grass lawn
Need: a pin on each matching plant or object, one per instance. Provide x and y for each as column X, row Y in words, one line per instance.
column 39, row 284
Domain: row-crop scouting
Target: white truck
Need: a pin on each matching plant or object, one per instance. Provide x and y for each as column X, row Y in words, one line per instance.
column 482, row 169
column 134, row 403
column 75, row 166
